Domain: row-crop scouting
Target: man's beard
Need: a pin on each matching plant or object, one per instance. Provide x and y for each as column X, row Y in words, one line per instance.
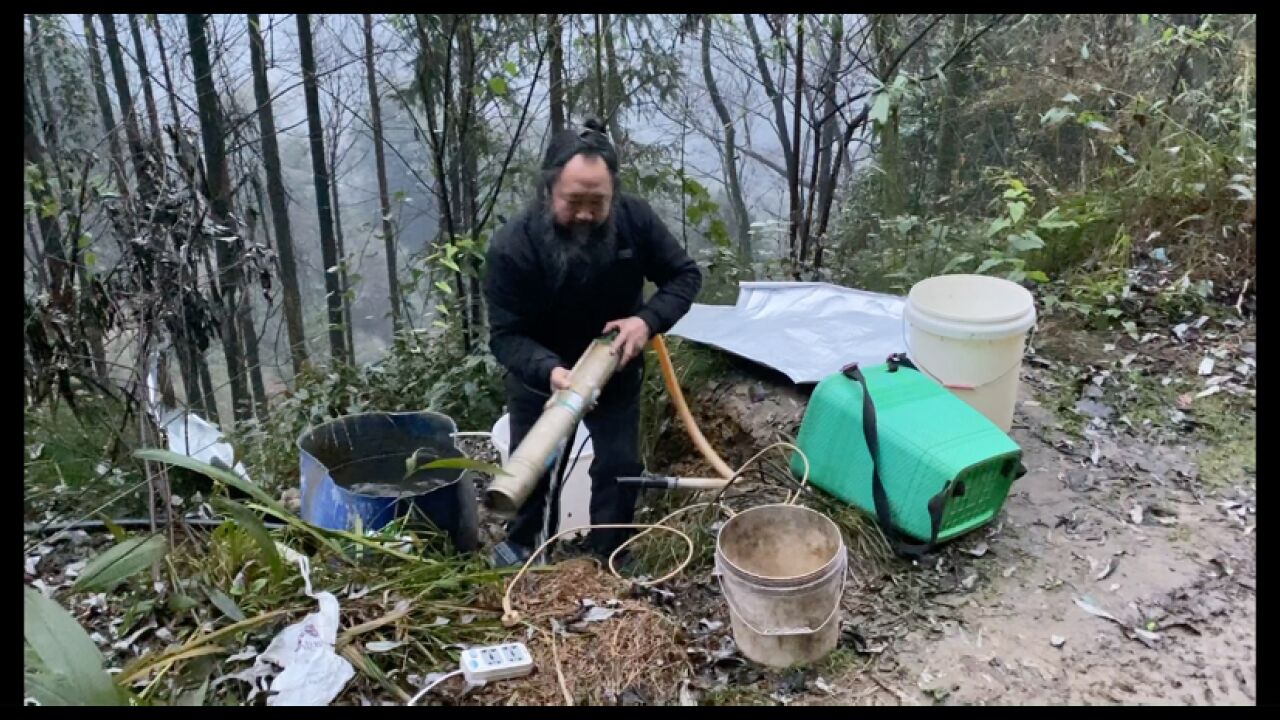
column 576, row 251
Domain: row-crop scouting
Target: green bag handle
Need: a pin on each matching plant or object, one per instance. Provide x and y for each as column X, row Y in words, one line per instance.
column 899, row 540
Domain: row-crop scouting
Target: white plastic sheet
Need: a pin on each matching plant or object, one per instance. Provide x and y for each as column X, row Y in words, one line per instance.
column 805, row 330
column 188, row 433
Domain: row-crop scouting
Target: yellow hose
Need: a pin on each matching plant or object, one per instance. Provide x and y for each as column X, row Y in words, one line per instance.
column 682, row 409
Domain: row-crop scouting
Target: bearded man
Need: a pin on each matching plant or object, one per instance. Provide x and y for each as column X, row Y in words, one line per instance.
column 569, row 268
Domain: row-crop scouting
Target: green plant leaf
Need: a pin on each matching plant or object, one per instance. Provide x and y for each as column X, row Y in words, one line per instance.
column 224, row 603
column 498, row 85
column 997, row 225
column 63, row 666
column 956, row 262
column 880, row 108
column 1038, row 276
column 223, row 476
column 1024, row 242
column 444, row 287
column 124, row 560
column 412, row 465
column 988, row 264
column 510, row 68
column 116, row 531
column 249, row 521
column 1016, row 211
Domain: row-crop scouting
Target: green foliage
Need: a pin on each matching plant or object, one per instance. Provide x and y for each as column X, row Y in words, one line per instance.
column 107, row 571
column 62, row 666
column 1070, row 156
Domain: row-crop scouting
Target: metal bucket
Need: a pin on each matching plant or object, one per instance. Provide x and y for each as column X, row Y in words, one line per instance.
column 782, row 572
column 353, row 475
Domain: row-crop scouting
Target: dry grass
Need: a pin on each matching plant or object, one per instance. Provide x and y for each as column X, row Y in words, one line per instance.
column 633, row 656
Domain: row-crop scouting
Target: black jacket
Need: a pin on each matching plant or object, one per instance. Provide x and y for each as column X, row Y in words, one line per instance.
column 536, row 326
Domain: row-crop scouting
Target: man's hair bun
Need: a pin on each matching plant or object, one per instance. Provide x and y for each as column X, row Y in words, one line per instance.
column 594, row 124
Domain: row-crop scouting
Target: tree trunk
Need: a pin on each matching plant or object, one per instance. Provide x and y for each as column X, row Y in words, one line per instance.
column 229, row 254
column 104, row 105
column 206, row 383
column 775, row 95
column 794, row 166
column 469, row 174
column 244, row 316
column 738, row 207
column 342, row 254
column 170, row 91
column 380, row 163
column 128, row 113
column 556, row 81
column 145, row 73
column 54, row 253
column 948, row 152
column 600, row 99
column 328, row 248
column 826, row 173
column 614, row 95
column 279, row 203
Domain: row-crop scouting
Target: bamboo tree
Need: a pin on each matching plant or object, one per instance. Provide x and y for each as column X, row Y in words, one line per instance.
column 104, row 105
column 228, row 254
column 288, row 269
column 328, row 246
column 380, row 161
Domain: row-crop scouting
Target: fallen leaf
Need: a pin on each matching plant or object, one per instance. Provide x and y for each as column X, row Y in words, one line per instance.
column 598, row 614
column 381, row 646
column 249, row 653
column 710, row 625
column 1087, row 606
column 1106, row 571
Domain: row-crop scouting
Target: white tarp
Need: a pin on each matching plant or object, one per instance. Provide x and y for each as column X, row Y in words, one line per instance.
column 805, row 330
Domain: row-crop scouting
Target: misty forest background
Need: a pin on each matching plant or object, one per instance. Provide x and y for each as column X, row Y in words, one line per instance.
column 286, row 215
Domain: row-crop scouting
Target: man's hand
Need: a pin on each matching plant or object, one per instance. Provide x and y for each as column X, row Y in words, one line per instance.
column 559, row 379
column 633, row 333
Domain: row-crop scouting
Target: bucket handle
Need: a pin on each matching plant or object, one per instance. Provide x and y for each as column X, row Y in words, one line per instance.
column 728, row 598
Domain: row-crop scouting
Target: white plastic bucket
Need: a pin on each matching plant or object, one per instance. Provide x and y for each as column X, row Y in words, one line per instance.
column 782, row 571
column 969, row 333
column 575, row 495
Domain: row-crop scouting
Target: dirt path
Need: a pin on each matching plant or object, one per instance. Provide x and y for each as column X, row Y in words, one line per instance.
column 1012, row 632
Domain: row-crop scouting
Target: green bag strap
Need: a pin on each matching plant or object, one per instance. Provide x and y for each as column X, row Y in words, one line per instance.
column 898, row 539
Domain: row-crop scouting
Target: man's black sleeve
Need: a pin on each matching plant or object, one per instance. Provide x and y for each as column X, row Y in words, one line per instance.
column 510, row 299
column 669, row 267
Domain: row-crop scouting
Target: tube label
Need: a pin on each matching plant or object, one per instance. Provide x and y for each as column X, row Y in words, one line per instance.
column 571, row 401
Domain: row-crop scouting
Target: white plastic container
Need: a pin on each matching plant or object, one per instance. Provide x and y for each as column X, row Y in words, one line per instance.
column 575, row 496
column 969, row 332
